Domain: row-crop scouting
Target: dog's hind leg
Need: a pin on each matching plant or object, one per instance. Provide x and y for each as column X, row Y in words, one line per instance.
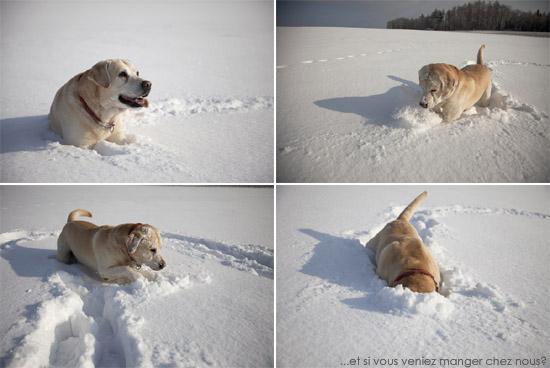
column 64, row 253
column 485, row 97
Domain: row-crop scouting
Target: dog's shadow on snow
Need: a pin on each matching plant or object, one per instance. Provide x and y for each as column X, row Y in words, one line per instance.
column 28, row 133
column 347, row 263
column 377, row 109
column 34, row 262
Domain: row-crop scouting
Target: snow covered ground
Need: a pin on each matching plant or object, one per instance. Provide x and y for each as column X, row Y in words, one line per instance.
column 211, row 106
column 347, row 108
column 212, row 306
column 491, row 243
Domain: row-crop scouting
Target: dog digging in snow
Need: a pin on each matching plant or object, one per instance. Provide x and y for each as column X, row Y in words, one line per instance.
column 92, row 105
column 402, row 258
column 116, row 253
column 450, row 91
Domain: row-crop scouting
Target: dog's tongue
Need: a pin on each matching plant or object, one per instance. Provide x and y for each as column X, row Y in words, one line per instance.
column 141, row 101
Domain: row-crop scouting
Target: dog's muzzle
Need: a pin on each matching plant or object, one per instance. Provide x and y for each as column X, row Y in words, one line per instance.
column 423, row 104
column 162, row 264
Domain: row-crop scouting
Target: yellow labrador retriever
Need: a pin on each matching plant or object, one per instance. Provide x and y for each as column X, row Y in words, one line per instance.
column 91, row 106
column 116, row 253
column 449, row 91
column 402, row 258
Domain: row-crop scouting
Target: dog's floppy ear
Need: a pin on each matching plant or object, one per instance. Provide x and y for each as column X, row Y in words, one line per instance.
column 451, row 80
column 99, row 74
column 138, row 232
column 132, row 242
column 423, row 72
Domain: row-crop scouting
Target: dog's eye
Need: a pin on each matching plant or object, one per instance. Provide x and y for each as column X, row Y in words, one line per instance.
column 123, row 75
column 137, row 73
column 153, row 250
column 433, row 90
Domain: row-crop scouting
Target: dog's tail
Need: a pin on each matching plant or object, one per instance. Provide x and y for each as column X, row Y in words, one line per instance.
column 78, row 212
column 480, row 55
column 408, row 212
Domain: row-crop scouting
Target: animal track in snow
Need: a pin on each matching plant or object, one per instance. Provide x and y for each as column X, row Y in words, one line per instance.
column 255, row 259
column 194, row 106
column 512, row 62
column 338, row 58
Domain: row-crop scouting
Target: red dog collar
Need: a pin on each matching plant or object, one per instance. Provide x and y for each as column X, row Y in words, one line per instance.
column 413, row 271
column 94, row 116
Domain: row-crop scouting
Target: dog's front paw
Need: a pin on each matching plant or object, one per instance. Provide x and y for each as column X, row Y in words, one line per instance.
column 129, row 138
column 119, row 280
column 119, row 137
column 151, row 276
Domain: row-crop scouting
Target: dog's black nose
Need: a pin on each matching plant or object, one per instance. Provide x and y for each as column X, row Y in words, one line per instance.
column 423, row 104
column 162, row 264
column 146, row 85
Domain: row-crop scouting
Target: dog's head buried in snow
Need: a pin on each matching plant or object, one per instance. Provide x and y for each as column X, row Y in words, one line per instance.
column 450, row 91
column 402, row 258
column 116, row 253
column 91, row 106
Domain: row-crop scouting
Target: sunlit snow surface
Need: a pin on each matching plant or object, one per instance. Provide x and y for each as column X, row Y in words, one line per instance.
column 347, row 108
column 210, row 117
column 491, row 247
column 212, row 306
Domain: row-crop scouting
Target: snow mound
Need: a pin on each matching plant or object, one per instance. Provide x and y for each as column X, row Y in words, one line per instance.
column 502, row 107
column 403, row 301
column 416, row 118
column 503, row 100
column 62, row 334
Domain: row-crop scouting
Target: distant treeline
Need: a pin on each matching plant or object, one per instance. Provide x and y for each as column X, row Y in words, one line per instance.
column 480, row 15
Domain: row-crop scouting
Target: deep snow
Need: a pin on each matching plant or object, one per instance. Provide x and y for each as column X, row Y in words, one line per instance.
column 211, row 106
column 211, row 306
column 491, row 243
column 347, row 108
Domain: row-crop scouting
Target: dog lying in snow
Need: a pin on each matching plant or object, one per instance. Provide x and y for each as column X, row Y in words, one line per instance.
column 402, row 258
column 449, row 91
column 116, row 253
column 90, row 107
